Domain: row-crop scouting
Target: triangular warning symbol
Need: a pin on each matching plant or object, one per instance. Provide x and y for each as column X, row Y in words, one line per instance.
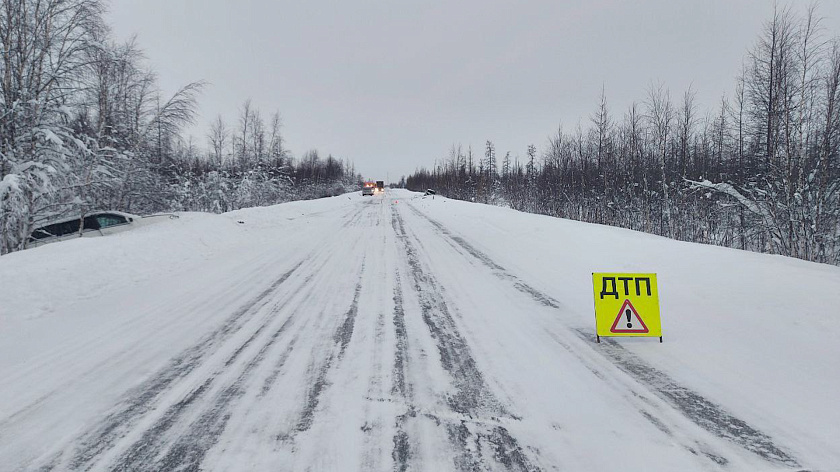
column 628, row 320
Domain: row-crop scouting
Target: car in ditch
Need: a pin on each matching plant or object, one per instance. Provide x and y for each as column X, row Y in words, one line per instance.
column 100, row 223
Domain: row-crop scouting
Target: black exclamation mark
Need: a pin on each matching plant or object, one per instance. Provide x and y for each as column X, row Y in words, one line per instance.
column 627, row 313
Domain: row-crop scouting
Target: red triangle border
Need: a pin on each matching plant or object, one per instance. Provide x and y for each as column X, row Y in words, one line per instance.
column 620, row 316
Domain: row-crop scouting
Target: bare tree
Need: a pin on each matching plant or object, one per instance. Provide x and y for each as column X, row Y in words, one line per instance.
column 245, row 115
column 687, row 123
column 660, row 114
column 217, row 137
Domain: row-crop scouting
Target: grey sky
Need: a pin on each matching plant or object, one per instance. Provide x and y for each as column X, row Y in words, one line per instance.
column 392, row 85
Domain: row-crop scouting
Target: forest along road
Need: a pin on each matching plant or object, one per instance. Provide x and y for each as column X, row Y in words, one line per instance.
column 354, row 334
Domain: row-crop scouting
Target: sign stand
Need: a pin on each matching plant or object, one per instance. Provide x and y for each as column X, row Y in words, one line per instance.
column 626, row 305
column 598, row 339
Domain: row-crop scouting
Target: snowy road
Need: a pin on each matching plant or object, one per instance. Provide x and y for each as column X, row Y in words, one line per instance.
column 353, row 334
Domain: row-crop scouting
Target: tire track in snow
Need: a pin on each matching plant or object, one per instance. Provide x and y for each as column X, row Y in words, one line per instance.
column 698, row 409
column 379, row 396
column 353, row 219
column 498, row 271
column 471, row 392
column 142, row 398
column 344, row 332
column 234, row 324
column 472, row 399
column 372, row 427
column 269, row 381
column 163, row 448
column 650, row 410
column 188, row 452
column 156, row 451
column 400, row 386
column 341, row 339
column 401, row 452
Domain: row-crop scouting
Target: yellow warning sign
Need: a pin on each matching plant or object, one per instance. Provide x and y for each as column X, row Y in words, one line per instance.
column 626, row 305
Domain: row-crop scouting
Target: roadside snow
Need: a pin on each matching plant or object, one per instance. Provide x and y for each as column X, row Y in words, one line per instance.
column 755, row 332
column 357, row 375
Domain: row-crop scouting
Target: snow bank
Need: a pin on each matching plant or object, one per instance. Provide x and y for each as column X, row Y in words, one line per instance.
column 756, row 332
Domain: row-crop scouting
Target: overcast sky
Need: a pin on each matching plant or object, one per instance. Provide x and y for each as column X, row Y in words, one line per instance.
column 393, row 84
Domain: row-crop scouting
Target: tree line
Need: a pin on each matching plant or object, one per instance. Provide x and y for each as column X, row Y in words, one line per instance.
column 84, row 127
column 758, row 171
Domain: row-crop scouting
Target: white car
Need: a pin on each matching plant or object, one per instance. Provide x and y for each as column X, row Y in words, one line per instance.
column 98, row 223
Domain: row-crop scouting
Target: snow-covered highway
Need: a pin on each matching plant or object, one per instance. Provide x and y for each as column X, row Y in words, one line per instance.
column 398, row 332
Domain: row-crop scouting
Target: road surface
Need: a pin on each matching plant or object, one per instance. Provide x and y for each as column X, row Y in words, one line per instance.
column 366, row 335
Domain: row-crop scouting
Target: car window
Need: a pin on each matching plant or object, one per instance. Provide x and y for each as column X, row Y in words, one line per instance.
column 92, row 222
column 68, row 227
column 45, row 232
column 110, row 219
